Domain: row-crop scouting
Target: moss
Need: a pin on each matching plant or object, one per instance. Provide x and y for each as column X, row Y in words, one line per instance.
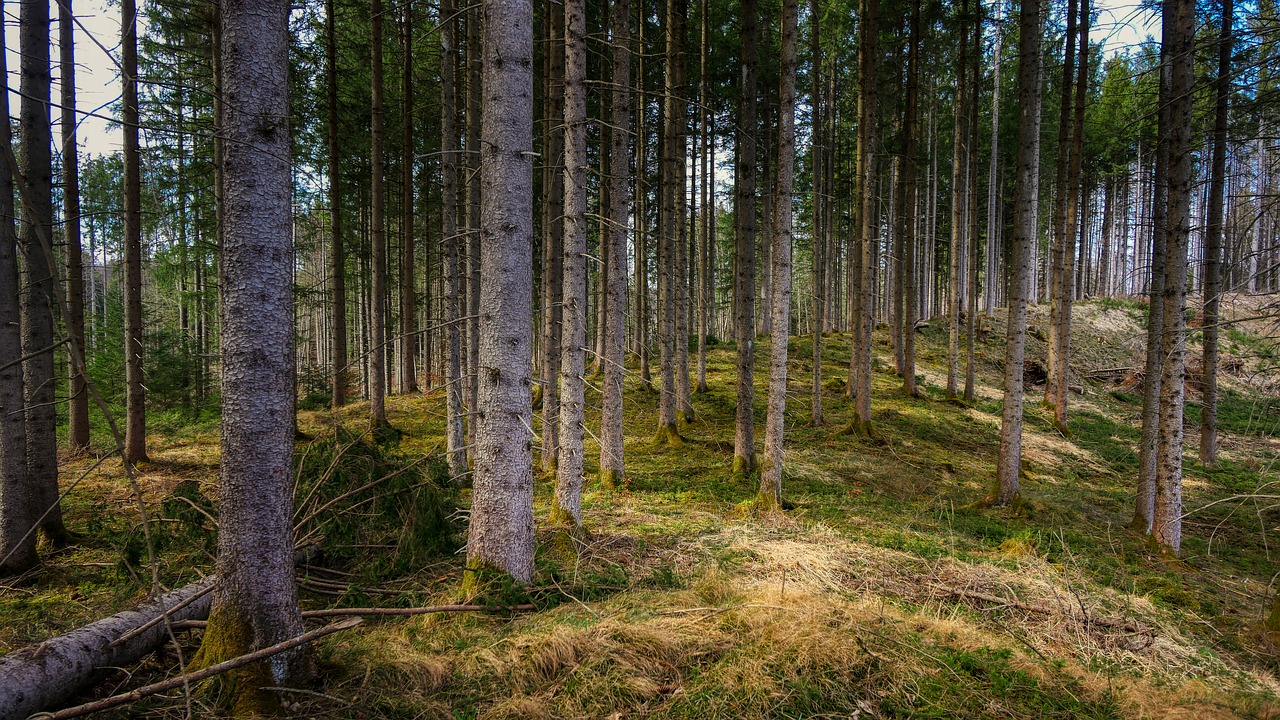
column 242, row 690
column 611, row 479
column 668, row 435
column 560, row 515
column 486, row 584
column 743, row 465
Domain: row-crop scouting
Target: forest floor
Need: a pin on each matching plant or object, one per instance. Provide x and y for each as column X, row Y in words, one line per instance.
column 881, row 593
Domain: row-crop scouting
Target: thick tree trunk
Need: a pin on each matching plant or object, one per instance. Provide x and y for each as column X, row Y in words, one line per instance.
column 78, row 402
column 1213, row 246
column 37, row 300
column 449, row 157
column 408, row 376
column 568, row 498
column 19, row 511
column 500, row 536
column 612, row 472
column 744, row 261
column 1026, row 183
column 255, row 602
column 780, row 322
column 338, row 261
column 135, row 433
column 1179, row 36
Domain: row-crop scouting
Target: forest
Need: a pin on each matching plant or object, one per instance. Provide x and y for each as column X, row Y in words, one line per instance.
column 640, row 358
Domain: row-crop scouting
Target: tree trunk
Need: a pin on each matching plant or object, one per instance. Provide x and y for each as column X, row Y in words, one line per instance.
column 817, row 208
column 378, row 232
column 1179, row 31
column 906, row 219
column 1026, row 183
column 744, row 261
column 568, row 497
column 971, row 197
column 37, row 300
column 1213, row 247
column 500, row 536
column 771, row 476
column 553, row 248
column 706, row 221
column 868, row 54
column 959, row 217
column 612, row 472
column 78, row 402
column 408, row 283
column 1062, row 241
column 449, row 155
column 255, row 602
column 475, row 63
column 338, row 263
column 993, row 175
column 19, row 511
column 668, row 234
column 135, row 434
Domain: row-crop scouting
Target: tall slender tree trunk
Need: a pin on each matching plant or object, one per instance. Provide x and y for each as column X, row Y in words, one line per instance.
column 744, row 261
column 255, row 602
column 669, row 233
column 1179, row 36
column 553, row 247
column 500, row 535
column 475, row 62
column 971, row 197
column 993, row 175
column 337, row 247
column 907, row 202
column 378, row 231
column 19, row 510
column 449, row 157
column 612, row 472
column 1026, row 183
column 78, row 402
column 408, row 283
column 568, row 498
column 959, row 197
column 135, row 433
column 1213, row 246
column 818, row 209
column 706, row 220
column 868, row 54
column 780, row 321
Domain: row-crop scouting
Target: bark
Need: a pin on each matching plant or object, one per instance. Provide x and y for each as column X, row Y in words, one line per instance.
column 780, row 321
column 642, row 211
column 818, row 206
column 971, row 311
column 78, row 403
column 18, row 509
column 612, row 471
column 378, row 231
column 959, row 217
column 1062, row 241
column 255, row 603
column 1213, row 246
column 1026, row 182
column 568, row 498
column 449, row 156
column 906, row 219
column 744, row 262
column 669, row 234
column 37, row 301
column 408, row 284
column 338, row 261
column 993, row 175
column 1179, row 30
column 706, row 220
column 474, row 63
column 868, row 54
column 553, row 250
column 135, row 433
column 500, row 536
column 45, row 676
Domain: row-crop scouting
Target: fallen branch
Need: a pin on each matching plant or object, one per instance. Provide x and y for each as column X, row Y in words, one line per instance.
column 1107, row 622
column 372, row 611
column 206, row 673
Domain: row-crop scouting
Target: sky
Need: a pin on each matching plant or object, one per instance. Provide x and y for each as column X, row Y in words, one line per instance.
column 1121, row 23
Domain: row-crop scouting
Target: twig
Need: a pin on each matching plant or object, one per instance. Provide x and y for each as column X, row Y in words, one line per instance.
column 370, row 611
column 171, row 683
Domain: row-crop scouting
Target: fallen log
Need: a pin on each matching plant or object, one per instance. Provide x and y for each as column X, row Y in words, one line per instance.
column 52, row 672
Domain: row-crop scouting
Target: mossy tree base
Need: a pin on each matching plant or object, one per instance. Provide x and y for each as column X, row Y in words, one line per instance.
column 863, row 430
column 744, row 465
column 668, row 435
column 611, row 479
column 244, row 690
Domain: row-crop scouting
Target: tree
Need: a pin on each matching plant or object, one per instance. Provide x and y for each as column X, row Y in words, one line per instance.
column 669, row 228
column 378, row 232
column 500, row 536
column 1026, row 181
column 775, row 423
column 78, row 400
column 135, row 433
column 18, row 509
column 568, row 501
column 860, row 364
column 37, row 301
column 744, row 244
column 449, row 153
column 960, row 157
column 1179, row 36
column 338, row 254
column 612, row 468
column 255, row 601
column 1213, row 245
column 817, row 231
column 906, row 203
column 553, row 246
column 408, row 376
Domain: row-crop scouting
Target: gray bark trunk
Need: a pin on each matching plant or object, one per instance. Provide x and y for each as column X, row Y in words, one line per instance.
column 78, row 402
column 868, row 54
column 378, row 231
column 817, row 207
column 553, row 249
column 408, row 376
column 255, row 602
column 959, row 216
column 500, row 537
column 744, row 262
column 906, row 230
column 449, row 153
column 135, row 434
column 1213, row 247
column 338, row 262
